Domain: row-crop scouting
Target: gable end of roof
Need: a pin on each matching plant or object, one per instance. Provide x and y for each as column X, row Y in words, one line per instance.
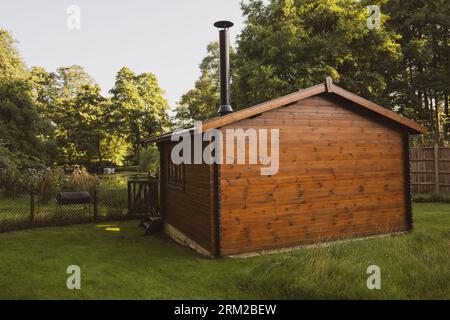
column 411, row 126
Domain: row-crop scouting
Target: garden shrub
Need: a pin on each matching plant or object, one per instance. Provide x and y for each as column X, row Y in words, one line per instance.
column 81, row 180
column 10, row 181
column 52, row 181
column 45, row 183
column 430, row 197
column 149, row 159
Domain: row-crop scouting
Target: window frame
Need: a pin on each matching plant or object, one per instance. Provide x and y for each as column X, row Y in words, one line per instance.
column 176, row 177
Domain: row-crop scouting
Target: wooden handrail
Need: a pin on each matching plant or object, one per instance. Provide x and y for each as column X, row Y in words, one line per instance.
column 143, row 196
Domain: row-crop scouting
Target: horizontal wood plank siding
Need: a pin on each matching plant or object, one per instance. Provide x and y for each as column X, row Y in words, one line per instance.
column 189, row 209
column 341, row 174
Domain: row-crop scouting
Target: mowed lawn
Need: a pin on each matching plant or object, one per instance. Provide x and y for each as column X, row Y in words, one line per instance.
column 128, row 265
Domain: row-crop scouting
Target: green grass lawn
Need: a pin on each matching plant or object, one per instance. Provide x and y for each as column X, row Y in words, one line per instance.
column 128, row 265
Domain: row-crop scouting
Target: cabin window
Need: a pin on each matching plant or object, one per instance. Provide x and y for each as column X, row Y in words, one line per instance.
column 176, row 175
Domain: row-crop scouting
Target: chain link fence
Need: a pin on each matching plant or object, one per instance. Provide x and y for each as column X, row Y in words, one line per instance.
column 23, row 210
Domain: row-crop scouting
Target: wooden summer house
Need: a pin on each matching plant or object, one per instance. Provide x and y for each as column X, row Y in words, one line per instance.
column 343, row 173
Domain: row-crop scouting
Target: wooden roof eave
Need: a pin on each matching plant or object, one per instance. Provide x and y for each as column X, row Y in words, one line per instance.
column 263, row 107
column 249, row 112
column 412, row 126
column 159, row 138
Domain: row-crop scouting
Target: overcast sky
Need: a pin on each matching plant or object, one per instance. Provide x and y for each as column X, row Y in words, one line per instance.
column 166, row 37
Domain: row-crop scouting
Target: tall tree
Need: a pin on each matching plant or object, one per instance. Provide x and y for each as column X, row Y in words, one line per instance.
column 138, row 108
column 421, row 89
column 75, row 113
column 18, row 117
column 287, row 45
column 202, row 102
column 45, row 100
column 81, row 127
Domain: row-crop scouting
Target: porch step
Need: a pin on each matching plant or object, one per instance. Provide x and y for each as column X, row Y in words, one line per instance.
column 151, row 225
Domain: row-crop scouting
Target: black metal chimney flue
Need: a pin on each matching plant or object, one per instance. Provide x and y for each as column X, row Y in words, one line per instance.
column 225, row 105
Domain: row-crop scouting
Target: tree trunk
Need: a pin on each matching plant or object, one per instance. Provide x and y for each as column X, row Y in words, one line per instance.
column 436, row 107
column 100, row 154
column 446, row 104
column 428, row 109
column 447, row 119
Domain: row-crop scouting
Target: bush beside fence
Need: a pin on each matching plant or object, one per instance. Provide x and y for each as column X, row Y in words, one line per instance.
column 430, row 197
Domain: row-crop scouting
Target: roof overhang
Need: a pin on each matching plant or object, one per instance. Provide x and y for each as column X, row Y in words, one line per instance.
column 411, row 126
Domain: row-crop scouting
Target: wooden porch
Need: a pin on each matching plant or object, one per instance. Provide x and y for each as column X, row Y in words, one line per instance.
column 144, row 202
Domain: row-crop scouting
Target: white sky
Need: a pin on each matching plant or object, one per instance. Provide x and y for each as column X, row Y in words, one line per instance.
column 168, row 38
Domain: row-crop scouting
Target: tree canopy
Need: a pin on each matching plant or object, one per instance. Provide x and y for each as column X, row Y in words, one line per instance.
column 201, row 102
column 138, row 107
column 18, row 117
column 62, row 118
column 420, row 88
column 287, row 45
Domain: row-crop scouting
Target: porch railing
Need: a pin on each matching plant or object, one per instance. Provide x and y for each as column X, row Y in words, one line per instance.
column 143, row 196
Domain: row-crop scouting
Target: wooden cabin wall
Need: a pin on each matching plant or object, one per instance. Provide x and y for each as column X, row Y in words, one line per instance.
column 341, row 174
column 189, row 209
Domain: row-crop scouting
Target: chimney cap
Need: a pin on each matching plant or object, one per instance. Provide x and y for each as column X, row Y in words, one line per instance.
column 223, row 24
column 224, row 110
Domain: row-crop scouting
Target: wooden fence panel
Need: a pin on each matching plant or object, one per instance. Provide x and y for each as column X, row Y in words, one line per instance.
column 429, row 165
column 444, row 170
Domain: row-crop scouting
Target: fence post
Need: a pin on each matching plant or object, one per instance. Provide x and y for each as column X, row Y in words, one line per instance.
column 129, row 196
column 95, row 203
column 158, row 194
column 32, row 207
column 436, row 168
